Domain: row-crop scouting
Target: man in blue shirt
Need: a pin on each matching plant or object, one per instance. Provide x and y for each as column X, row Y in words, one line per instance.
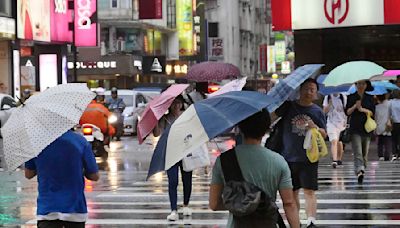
column 298, row 118
column 61, row 168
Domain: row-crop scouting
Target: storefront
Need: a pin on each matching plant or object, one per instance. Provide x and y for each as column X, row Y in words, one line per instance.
column 334, row 32
column 121, row 71
column 7, row 34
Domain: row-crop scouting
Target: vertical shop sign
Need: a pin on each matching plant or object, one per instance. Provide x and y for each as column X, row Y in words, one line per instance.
column 86, row 23
column 262, row 58
column 216, row 49
column 184, row 25
column 280, row 51
column 150, row 9
column 271, row 65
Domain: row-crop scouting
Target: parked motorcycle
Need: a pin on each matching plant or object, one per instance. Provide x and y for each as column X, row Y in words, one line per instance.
column 95, row 137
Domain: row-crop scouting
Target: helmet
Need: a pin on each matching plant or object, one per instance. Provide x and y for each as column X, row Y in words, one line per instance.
column 100, row 91
column 27, row 92
column 114, row 90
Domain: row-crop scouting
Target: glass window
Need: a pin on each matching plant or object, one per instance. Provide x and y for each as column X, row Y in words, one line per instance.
column 114, row 3
column 5, row 8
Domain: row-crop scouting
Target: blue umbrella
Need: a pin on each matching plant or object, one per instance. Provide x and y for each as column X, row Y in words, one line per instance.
column 380, row 88
column 287, row 87
column 202, row 121
column 326, row 90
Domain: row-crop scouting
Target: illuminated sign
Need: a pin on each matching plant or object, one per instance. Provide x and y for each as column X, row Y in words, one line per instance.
column 176, row 68
column 33, row 20
column 60, row 18
column 85, row 23
column 271, row 64
column 93, row 65
column 184, row 25
column 7, row 28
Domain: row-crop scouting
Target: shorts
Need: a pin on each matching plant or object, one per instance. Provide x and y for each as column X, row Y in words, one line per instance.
column 333, row 133
column 304, row 175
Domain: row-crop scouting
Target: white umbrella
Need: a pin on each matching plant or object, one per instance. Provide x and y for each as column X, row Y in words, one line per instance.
column 41, row 120
column 235, row 85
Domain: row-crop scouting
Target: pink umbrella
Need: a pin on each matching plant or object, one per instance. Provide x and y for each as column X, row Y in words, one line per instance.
column 156, row 109
column 387, row 75
column 212, row 71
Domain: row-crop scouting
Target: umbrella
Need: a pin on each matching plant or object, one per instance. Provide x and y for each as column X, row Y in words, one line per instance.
column 380, row 88
column 235, row 85
column 351, row 72
column 41, row 120
column 203, row 121
column 326, row 90
column 212, row 71
column 387, row 75
column 156, row 109
column 287, row 87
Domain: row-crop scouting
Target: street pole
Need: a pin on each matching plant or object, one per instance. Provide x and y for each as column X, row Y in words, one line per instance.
column 71, row 6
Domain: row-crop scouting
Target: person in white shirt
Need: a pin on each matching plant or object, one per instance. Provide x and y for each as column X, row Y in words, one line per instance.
column 333, row 106
column 394, row 113
column 383, row 128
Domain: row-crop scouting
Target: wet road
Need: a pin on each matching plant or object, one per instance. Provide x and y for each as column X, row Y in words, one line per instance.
column 122, row 198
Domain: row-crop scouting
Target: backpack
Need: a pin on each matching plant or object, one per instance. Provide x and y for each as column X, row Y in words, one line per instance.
column 275, row 140
column 341, row 99
column 249, row 204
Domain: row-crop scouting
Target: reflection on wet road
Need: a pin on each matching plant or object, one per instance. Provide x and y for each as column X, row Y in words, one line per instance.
column 122, row 198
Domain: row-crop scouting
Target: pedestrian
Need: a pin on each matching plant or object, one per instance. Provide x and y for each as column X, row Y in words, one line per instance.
column 176, row 109
column 383, row 130
column 259, row 166
column 359, row 105
column 298, row 117
column 394, row 113
column 333, row 106
column 61, row 168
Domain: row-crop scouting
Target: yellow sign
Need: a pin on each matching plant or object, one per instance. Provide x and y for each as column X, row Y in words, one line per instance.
column 184, row 25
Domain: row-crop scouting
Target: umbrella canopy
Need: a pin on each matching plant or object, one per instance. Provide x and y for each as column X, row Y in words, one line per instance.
column 41, row 120
column 288, row 86
column 351, row 72
column 212, row 71
column 387, row 75
column 326, row 90
column 156, row 109
column 235, row 85
column 203, row 121
column 380, row 88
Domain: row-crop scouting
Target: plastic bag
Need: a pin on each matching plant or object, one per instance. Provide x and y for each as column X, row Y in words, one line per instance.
column 197, row 159
column 370, row 124
column 318, row 147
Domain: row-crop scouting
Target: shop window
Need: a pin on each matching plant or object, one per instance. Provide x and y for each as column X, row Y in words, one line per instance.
column 213, row 29
column 114, row 3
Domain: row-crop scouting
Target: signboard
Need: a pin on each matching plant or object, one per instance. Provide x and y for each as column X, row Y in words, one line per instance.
column 93, row 65
column 150, row 9
column 16, row 74
column 280, row 51
column 86, row 23
column 48, row 71
column 177, row 68
column 262, row 59
column 216, row 48
column 313, row 14
column 271, row 65
column 33, row 20
column 7, row 28
column 60, row 18
column 184, row 25
column 154, row 64
column 285, row 67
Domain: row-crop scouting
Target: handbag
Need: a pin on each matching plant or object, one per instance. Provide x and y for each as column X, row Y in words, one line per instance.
column 275, row 140
column 197, row 159
column 370, row 124
column 345, row 136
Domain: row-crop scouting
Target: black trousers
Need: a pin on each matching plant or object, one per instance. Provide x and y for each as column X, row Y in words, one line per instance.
column 59, row 224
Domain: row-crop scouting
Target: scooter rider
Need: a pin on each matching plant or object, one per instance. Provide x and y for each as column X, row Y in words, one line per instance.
column 97, row 114
column 117, row 106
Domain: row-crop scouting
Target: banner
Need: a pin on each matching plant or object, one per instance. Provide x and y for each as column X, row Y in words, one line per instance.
column 85, row 23
column 150, row 9
column 271, row 64
column 184, row 25
column 61, row 16
column 33, row 20
column 216, row 48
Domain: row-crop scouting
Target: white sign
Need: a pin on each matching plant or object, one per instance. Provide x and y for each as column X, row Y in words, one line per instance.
column 216, row 49
column 48, row 71
column 311, row 14
column 93, row 65
column 271, row 65
column 84, row 14
column 16, row 76
column 60, row 6
column 7, row 27
column 285, row 67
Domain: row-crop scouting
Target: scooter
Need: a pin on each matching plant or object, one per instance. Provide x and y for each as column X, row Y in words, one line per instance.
column 117, row 120
column 96, row 138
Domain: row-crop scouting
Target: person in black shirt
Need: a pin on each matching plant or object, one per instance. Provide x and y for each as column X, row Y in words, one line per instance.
column 359, row 105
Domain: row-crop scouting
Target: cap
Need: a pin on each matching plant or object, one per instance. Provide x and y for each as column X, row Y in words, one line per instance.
column 100, row 91
column 114, row 90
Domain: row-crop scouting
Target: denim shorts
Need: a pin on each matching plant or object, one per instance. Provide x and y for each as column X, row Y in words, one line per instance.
column 304, row 175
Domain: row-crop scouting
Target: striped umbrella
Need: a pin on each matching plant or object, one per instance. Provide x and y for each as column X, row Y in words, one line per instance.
column 212, row 71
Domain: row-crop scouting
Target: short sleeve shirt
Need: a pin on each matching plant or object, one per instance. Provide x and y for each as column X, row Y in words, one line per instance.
column 295, row 129
column 260, row 166
column 60, row 169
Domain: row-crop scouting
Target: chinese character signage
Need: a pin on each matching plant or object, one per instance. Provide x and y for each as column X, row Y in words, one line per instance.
column 262, row 58
column 177, row 68
column 280, row 51
column 271, row 65
column 184, row 25
column 216, row 49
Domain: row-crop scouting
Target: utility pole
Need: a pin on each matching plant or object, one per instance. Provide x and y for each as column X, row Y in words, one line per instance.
column 71, row 6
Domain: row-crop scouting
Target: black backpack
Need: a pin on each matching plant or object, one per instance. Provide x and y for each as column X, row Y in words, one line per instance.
column 249, row 204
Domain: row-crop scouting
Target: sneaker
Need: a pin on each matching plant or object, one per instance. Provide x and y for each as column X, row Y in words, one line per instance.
column 187, row 211
column 339, row 162
column 360, row 177
column 334, row 164
column 394, row 158
column 173, row 216
column 381, row 158
column 312, row 225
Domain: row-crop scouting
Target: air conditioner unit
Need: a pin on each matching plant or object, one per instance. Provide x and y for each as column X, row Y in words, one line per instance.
column 120, row 45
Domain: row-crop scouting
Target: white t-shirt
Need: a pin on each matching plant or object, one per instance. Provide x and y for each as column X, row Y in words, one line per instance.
column 381, row 117
column 336, row 116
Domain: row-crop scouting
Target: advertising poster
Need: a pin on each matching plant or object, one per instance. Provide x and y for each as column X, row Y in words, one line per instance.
column 216, row 48
column 28, row 78
column 280, row 51
column 130, row 39
column 271, row 65
column 33, row 20
column 60, row 17
column 16, row 74
column 47, row 71
column 86, row 23
column 184, row 25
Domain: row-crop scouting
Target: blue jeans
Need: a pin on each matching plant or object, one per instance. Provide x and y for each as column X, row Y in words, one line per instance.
column 360, row 146
column 173, row 185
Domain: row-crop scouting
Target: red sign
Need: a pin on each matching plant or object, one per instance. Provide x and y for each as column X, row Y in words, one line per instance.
column 263, row 58
column 336, row 6
column 150, row 9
